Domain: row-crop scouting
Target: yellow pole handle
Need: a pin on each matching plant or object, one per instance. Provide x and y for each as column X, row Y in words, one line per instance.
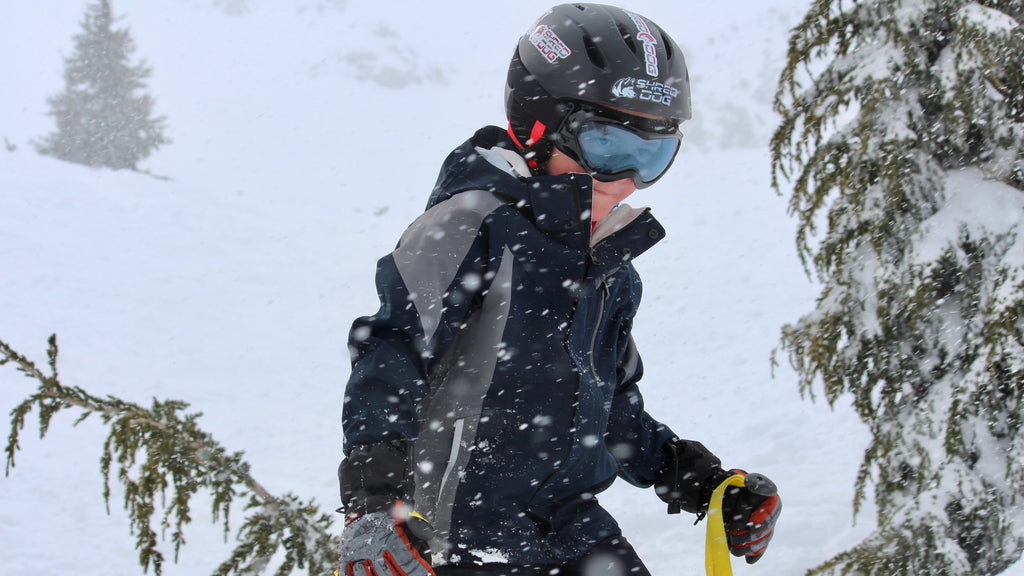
column 716, row 548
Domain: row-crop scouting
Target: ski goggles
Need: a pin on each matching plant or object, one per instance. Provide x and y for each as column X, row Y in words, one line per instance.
column 616, row 146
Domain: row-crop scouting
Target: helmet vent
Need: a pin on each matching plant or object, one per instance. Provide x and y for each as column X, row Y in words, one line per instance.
column 593, row 52
column 627, row 37
column 666, row 44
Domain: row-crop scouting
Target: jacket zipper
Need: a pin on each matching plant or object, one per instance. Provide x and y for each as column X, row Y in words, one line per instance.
column 585, row 234
column 585, row 240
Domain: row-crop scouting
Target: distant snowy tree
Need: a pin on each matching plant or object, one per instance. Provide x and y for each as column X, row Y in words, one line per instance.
column 902, row 135
column 104, row 117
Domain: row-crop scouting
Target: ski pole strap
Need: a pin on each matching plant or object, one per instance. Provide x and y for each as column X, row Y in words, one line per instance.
column 716, row 547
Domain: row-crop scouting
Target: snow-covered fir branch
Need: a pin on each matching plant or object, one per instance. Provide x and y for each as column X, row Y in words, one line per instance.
column 161, row 459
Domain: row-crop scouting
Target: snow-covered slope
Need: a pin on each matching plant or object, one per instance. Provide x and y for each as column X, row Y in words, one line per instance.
column 306, row 137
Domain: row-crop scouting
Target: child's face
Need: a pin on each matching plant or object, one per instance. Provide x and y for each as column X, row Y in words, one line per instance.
column 606, row 194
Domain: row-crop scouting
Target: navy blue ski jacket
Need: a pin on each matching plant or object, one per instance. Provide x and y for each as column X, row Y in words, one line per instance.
column 502, row 355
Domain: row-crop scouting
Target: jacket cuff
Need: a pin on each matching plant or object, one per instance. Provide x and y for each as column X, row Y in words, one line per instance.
column 374, row 476
column 689, row 476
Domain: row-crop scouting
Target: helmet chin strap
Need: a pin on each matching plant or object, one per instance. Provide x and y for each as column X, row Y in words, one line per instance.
column 537, row 149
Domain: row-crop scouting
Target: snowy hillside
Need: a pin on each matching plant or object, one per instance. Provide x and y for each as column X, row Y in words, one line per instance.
column 307, row 135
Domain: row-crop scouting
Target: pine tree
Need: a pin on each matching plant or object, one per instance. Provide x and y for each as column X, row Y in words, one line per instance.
column 104, row 117
column 902, row 134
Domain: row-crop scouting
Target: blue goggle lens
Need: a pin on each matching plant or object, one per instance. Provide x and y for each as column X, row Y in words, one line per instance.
column 612, row 149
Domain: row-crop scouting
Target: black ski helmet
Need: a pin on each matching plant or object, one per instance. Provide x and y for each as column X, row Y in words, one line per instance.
column 594, row 54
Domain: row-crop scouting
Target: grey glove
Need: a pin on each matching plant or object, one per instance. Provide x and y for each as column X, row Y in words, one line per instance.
column 750, row 514
column 386, row 543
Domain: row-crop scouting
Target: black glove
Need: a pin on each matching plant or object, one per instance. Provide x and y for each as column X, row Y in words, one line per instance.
column 750, row 513
column 374, row 477
column 383, row 536
column 689, row 477
column 691, row 472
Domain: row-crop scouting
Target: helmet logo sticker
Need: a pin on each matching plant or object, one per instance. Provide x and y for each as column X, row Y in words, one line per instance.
column 650, row 44
column 624, row 88
column 549, row 44
column 644, row 89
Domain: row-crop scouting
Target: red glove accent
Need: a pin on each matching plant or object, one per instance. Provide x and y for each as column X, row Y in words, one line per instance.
column 750, row 514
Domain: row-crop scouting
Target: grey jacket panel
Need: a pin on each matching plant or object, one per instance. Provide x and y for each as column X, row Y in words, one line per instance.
column 452, row 413
column 431, row 250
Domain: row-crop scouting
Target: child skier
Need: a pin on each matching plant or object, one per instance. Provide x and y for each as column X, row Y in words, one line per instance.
column 495, row 392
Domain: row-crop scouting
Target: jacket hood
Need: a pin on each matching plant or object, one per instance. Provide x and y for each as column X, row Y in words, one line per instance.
column 558, row 205
column 464, row 169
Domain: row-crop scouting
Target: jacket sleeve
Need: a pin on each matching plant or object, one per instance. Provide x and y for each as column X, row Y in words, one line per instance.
column 634, row 437
column 427, row 286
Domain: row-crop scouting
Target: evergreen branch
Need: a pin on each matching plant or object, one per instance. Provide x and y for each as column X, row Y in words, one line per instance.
column 162, row 459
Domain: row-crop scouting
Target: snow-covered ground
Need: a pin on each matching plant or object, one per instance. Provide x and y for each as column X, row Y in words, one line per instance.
column 307, row 134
